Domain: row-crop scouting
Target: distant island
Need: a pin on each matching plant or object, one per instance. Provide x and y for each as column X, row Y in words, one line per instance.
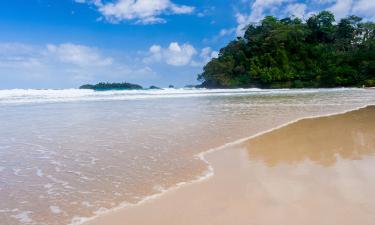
column 154, row 87
column 291, row 53
column 117, row 86
column 111, row 86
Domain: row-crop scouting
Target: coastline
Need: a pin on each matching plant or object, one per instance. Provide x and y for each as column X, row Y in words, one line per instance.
column 119, row 152
column 267, row 118
column 208, row 174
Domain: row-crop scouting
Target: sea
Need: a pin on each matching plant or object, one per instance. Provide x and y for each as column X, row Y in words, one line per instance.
column 67, row 156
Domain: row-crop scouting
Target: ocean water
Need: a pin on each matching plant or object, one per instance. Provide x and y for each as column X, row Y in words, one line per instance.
column 66, row 155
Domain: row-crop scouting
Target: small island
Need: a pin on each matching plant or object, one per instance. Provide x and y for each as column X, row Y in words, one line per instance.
column 111, row 86
column 291, row 53
column 152, row 87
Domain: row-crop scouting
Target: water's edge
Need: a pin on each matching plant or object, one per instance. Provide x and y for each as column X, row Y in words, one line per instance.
column 207, row 174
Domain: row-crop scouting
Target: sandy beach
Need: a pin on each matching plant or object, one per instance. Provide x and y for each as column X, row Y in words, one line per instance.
column 176, row 112
column 176, row 156
column 313, row 171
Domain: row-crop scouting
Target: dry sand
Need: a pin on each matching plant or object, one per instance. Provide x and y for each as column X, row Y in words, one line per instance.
column 315, row 171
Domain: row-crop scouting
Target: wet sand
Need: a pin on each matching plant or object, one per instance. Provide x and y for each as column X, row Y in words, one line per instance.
column 314, row 171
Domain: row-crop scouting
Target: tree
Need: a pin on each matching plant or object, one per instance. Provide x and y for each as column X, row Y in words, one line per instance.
column 322, row 28
column 292, row 53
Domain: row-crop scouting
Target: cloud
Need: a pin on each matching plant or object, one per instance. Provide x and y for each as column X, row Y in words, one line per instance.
column 364, row 8
column 174, row 54
column 226, row 32
column 15, row 55
column 180, row 55
column 139, row 11
column 260, row 6
column 297, row 10
column 207, row 54
column 223, row 35
column 242, row 22
column 341, row 8
column 257, row 9
column 208, row 11
column 257, row 12
column 79, row 55
column 63, row 64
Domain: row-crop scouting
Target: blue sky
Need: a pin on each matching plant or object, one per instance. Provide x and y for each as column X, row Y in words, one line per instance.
column 66, row 43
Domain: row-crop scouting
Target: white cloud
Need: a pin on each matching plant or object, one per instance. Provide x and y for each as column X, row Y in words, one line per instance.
column 226, row 32
column 223, row 34
column 180, row 55
column 206, row 11
column 140, row 11
column 298, row 10
column 259, row 6
column 181, row 9
column 257, row 9
column 341, row 8
column 323, row 1
column 207, row 54
column 174, row 54
column 365, row 8
column 257, row 13
column 13, row 55
column 242, row 22
column 79, row 55
column 64, row 64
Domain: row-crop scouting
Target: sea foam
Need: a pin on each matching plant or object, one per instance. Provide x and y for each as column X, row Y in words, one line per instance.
column 27, row 96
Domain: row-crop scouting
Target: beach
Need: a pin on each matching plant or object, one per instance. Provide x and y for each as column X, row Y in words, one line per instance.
column 105, row 157
column 176, row 112
column 313, row 171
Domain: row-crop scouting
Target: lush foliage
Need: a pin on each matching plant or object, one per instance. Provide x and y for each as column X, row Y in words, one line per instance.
column 154, row 87
column 292, row 53
column 112, row 86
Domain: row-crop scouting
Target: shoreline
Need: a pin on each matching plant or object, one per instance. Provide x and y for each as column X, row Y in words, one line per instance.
column 205, row 175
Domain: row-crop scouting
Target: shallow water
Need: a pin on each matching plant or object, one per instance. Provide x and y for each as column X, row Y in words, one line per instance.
column 313, row 171
column 70, row 153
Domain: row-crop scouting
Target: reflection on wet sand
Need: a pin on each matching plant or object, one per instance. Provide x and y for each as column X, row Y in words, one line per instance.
column 321, row 140
column 315, row 171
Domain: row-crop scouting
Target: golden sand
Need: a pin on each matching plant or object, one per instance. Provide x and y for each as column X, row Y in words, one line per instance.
column 315, row 171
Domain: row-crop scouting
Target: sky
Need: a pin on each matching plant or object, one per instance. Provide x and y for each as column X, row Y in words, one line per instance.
column 67, row 43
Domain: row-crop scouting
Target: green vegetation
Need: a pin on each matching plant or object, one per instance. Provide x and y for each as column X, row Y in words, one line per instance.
column 291, row 53
column 111, row 86
column 154, row 87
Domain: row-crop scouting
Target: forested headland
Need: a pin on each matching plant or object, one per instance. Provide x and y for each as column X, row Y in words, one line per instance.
column 292, row 53
column 111, row 86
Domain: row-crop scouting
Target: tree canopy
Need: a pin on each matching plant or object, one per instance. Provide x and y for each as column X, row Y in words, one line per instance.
column 111, row 86
column 291, row 53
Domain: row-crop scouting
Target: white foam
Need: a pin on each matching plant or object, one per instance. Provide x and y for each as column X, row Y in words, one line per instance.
column 55, row 209
column 23, row 217
column 27, row 96
column 16, row 171
column 39, row 173
column 48, row 186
